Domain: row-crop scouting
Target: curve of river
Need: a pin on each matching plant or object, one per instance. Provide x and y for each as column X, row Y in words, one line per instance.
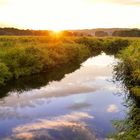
column 81, row 106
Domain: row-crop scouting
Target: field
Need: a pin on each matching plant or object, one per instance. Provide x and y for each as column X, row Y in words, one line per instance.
column 20, row 56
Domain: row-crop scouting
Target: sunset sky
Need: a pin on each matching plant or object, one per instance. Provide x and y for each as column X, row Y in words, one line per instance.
column 69, row 14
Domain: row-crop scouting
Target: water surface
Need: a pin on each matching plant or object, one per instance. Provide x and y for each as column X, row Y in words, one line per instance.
column 81, row 105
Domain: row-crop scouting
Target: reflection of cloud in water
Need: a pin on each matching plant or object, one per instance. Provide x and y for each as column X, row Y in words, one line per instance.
column 83, row 80
column 66, row 127
column 102, row 60
column 9, row 113
column 112, row 108
column 32, row 98
column 78, row 106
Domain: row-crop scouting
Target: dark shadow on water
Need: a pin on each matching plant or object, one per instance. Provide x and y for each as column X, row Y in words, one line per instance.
column 39, row 80
column 42, row 79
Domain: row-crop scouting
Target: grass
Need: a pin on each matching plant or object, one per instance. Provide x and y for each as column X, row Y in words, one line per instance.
column 128, row 70
column 129, row 128
column 109, row 45
column 20, row 56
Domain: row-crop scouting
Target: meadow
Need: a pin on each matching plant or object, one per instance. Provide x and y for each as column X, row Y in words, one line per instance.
column 20, row 56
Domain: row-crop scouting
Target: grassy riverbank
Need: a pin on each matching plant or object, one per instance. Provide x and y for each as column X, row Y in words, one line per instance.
column 20, row 56
column 128, row 70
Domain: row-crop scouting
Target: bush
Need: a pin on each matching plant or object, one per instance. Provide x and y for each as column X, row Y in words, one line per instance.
column 27, row 56
column 5, row 75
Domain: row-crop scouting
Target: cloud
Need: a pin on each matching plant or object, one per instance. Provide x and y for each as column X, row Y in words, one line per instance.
column 64, row 127
column 112, row 108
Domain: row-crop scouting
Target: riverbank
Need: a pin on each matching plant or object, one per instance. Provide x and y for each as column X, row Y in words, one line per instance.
column 21, row 56
column 128, row 70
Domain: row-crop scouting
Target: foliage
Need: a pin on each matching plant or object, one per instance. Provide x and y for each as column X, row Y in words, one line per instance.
column 4, row 73
column 22, row 56
column 128, row 70
column 129, row 128
column 108, row 45
column 101, row 33
column 29, row 55
column 127, row 33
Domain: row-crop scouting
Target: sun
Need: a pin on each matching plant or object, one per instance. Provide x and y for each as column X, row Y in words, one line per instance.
column 57, row 31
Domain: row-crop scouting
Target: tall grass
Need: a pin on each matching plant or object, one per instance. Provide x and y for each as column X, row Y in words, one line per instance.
column 108, row 45
column 20, row 56
column 128, row 70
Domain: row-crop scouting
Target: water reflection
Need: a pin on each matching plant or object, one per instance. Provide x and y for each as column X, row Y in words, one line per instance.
column 61, row 127
column 81, row 105
column 112, row 108
column 84, row 80
column 36, row 81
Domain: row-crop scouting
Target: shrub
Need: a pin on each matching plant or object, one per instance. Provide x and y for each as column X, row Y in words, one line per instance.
column 5, row 75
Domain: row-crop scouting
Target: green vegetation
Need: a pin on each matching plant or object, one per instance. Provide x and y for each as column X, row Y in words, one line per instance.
column 101, row 34
column 24, row 56
column 20, row 56
column 128, row 70
column 129, row 128
column 108, row 45
column 127, row 33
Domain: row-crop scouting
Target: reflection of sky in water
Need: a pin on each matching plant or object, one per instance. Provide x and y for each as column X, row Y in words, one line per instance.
column 60, row 125
column 85, row 91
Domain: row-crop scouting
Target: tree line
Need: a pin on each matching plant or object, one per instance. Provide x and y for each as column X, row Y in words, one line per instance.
column 22, row 32
column 127, row 33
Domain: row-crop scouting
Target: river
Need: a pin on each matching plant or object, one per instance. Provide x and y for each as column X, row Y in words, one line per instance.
column 78, row 105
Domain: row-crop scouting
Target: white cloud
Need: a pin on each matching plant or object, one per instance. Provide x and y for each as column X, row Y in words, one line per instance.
column 112, row 108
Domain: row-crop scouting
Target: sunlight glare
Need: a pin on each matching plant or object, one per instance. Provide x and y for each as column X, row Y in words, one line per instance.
column 56, row 30
column 64, row 14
